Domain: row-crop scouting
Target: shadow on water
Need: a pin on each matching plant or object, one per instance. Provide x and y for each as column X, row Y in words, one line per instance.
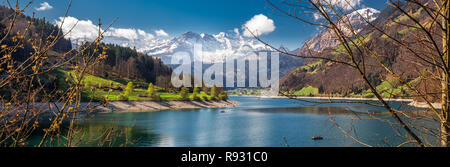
column 94, row 132
column 255, row 123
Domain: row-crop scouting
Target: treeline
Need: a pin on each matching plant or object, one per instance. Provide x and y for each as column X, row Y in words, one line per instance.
column 46, row 29
column 336, row 79
column 39, row 30
column 127, row 64
column 122, row 63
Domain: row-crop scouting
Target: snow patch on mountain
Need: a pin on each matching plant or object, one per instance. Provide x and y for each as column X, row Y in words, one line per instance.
column 215, row 47
column 326, row 38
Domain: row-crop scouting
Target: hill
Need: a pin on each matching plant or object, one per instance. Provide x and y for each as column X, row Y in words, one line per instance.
column 39, row 29
column 340, row 80
column 127, row 63
column 121, row 65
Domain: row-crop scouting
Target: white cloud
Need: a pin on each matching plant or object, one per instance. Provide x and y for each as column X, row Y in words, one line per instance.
column 344, row 4
column 236, row 30
column 147, row 36
column 161, row 33
column 44, row 6
column 317, row 16
column 126, row 33
column 258, row 25
column 86, row 30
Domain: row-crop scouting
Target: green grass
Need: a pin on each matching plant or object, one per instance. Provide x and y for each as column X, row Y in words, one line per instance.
column 389, row 90
column 406, row 30
column 312, row 66
column 139, row 95
column 245, row 92
column 362, row 40
column 95, row 81
column 112, row 90
column 307, row 91
column 386, row 89
column 404, row 17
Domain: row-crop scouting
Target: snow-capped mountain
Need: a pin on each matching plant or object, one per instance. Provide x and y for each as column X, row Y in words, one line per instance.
column 326, row 38
column 215, row 47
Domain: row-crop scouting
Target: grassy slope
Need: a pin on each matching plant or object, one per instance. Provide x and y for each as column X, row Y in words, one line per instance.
column 307, row 91
column 386, row 88
column 99, row 88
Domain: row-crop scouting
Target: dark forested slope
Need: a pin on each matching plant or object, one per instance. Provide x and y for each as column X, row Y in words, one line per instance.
column 332, row 78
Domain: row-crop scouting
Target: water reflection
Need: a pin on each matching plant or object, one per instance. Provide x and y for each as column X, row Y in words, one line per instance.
column 256, row 123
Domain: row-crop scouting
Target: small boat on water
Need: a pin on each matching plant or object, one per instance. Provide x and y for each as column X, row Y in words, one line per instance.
column 317, row 138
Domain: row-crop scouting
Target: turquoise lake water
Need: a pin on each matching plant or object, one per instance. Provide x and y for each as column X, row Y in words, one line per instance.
column 257, row 122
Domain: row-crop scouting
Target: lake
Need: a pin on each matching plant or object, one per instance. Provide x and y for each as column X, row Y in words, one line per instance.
column 257, row 122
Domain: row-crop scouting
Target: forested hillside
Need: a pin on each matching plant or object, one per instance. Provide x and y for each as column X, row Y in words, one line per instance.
column 328, row 78
column 127, row 63
column 121, row 64
column 39, row 29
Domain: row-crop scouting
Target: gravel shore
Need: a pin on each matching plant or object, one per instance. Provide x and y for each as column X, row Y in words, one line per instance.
column 149, row 106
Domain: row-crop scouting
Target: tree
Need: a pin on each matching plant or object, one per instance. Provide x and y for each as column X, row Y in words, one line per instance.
column 152, row 94
column 156, row 97
column 129, row 89
column 213, row 91
column 205, row 89
column 223, row 96
column 87, row 85
column 150, row 90
column 196, row 90
column 195, row 94
column 444, row 12
column 184, row 93
column 164, row 82
column 359, row 53
column 33, row 58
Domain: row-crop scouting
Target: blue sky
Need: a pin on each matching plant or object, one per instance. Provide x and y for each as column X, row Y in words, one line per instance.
column 178, row 16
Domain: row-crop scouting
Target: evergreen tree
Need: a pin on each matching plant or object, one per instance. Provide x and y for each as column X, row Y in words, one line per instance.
column 129, row 89
column 223, row 96
column 184, row 93
column 196, row 90
column 152, row 94
column 214, row 91
column 87, row 85
column 195, row 94
column 150, row 90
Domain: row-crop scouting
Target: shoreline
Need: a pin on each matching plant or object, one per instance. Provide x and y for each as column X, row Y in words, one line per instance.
column 152, row 106
column 328, row 98
column 411, row 102
column 137, row 106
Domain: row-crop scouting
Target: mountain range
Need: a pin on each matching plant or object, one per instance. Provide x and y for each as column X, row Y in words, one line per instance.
column 218, row 46
column 215, row 47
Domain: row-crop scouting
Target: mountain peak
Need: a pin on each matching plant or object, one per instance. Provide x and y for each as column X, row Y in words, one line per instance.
column 190, row 34
column 326, row 38
column 368, row 13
